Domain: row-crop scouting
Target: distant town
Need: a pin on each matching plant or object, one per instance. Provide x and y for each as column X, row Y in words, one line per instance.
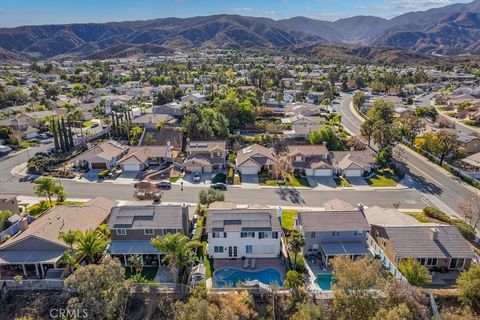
column 221, row 184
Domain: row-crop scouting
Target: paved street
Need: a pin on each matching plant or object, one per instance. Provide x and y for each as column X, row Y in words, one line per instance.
column 287, row 197
column 436, row 184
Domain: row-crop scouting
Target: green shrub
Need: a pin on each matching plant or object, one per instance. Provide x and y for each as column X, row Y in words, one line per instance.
column 230, row 178
column 300, row 261
column 219, row 177
column 436, row 214
column 102, row 174
column 465, row 229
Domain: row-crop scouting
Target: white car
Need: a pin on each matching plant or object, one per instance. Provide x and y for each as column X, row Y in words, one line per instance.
column 196, row 177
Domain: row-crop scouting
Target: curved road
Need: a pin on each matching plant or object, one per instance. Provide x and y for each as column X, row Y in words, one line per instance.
column 438, row 186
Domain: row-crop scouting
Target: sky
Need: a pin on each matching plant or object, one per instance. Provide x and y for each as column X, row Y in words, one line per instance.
column 33, row 12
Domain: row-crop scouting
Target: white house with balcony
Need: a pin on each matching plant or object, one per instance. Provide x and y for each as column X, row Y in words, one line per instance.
column 243, row 233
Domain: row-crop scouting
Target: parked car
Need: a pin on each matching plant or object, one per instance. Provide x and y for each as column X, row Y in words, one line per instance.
column 142, row 184
column 196, row 177
column 219, row 186
column 165, row 184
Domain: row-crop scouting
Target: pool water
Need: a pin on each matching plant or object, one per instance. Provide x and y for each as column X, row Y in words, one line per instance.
column 325, row 281
column 231, row 276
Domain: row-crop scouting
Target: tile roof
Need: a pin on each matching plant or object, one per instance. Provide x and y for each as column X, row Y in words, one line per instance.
column 205, row 146
column 64, row 218
column 106, row 150
column 307, row 150
column 256, row 153
column 415, row 241
column 141, row 154
column 352, row 159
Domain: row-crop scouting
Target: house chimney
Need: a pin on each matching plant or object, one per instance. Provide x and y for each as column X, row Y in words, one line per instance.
column 324, row 143
column 169, row 144
column 434, row 234
column 361, row 207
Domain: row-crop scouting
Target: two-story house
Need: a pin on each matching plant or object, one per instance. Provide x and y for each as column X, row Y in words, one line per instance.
column 332, row 233
column 133, row 227
column 205, row 156
column 243, row 233
column 311, row 159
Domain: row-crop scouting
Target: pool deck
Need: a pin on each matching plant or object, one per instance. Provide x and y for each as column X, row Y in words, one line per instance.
column 260, row 263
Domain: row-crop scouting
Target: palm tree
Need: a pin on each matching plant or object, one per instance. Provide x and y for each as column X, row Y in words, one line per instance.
column 296, row 241
column 90, row 244
column 70, row 237
column 179, row 253
column 136, row 262
column 69, row 259
column 46, row 187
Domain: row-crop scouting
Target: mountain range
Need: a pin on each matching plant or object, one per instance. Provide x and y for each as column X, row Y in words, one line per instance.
column 450, row 30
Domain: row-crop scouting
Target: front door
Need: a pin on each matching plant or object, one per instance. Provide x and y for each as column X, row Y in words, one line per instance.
column 232, row 252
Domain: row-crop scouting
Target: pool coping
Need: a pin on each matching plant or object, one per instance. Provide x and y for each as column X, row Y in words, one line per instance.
column 214, row 278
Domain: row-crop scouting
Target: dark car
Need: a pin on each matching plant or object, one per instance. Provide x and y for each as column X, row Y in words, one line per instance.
column 165, row 184
column 219, row 186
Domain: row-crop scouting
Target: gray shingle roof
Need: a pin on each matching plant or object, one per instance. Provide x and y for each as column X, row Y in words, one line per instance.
column 332, row 220
column 141, row 217
column 237, row 220
column 415, row 242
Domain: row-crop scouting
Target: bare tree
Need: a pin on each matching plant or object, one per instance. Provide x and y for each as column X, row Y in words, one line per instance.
column 469, row 209
column 282, row 167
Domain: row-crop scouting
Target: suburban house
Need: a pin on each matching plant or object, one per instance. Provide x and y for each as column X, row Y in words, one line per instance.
column 205, row 156
column 102, row 156
column 315, row 97
column 133, row 227
column 332, row 233
column 301, row 131
column 472, row 162
column 311, row 159
column 174, row 109
column 193, row 98
column 434, row 246
column 150, row 120
column 254, row 159
column 243, row 233
column 352, row 163
column 469, row 142
column 306, row 109
column 139, row 158
column 8, row 202
column 38, row 248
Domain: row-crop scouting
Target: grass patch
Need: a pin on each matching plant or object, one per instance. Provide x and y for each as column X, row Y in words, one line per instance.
column 342, row 182
column 420, row 216
column 88, row 124
column 288, row 218
column 174, row 179
column 265, row 179
column 36, row 210
column 148, row 273
column 383, row 178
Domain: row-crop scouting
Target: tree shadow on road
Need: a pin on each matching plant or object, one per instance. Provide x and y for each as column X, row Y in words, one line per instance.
column 422, row 184
column 290, row 194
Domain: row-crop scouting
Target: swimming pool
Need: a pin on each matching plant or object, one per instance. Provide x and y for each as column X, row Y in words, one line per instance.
column 325, row 281
column 231, row 276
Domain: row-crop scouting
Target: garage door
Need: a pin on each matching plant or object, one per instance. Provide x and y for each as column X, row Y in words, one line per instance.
column 98, row 165
column 249, row 170
column 323, row 172
column 194, row 169
column 353, row 173
column 131, row 167
column 309, row 172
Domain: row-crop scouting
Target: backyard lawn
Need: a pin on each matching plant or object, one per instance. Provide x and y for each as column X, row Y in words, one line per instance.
column 288, row 217
column 342, row 182
column 148, row 273
column 383, row 178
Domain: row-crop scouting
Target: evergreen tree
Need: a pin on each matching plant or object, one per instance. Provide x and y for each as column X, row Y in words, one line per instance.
column 117, row 123
column 65, row 135
column 55, row 135
column 114, row 126
column 70, row 135
column 60, row 135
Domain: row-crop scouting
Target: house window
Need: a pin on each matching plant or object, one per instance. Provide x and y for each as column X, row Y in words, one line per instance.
column 121, row 232
column 335, row 233
column 357, row 233
column 218, row 249
column 275, row 235
column 313, row 234
column 148, row 232
column 422, row 261
column 297, row 158
column 218, row 154
column 248, row 249
column 248, row 234
column 431, row 262
column 219, row 234
column 167, row 231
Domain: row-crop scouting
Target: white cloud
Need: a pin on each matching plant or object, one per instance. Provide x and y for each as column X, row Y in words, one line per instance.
column 408, row 5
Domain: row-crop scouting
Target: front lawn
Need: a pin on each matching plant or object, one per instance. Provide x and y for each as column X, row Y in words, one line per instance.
column 342, row 182
column 420, row 216
column 266, row 179
column 288, row 218
column 174, row 179
column 383, row 178
column 148, row 273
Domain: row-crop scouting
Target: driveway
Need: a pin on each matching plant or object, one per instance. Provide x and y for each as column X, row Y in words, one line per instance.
column 127, row 177
column 249, row 179
column 357, row 181
column 91, row 175
column 205, row 178
column 321, row 182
